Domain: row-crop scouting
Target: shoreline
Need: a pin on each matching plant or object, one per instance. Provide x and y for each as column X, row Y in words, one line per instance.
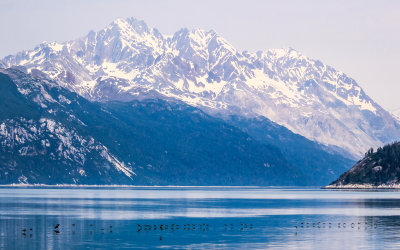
column 363, row 186
column 136, row 186
column 60, row 185
column 342, row 187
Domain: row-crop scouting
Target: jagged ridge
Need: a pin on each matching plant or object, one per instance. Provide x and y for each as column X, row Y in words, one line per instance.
column 129, row 60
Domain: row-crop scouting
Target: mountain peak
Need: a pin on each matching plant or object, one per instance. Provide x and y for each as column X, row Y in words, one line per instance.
column 285, row 52
column 203, row 32
column 202, row 40
column 130, row 24
column 52, row 45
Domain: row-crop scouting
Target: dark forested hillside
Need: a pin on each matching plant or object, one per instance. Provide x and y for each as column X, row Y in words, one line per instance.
column 376, row 168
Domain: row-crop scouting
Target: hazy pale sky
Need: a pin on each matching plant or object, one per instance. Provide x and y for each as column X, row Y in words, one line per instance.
column 359, row 37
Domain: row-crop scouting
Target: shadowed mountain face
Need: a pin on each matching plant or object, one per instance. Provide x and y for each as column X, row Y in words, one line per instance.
column 376, row 168
column 128, row 60
column 320, row 164
column 50, row 135
column 181, row 145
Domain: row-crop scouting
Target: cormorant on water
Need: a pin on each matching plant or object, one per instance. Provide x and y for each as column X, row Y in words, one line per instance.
column 57, row 226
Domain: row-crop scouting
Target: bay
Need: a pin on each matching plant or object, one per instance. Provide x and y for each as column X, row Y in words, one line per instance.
column 198, row 218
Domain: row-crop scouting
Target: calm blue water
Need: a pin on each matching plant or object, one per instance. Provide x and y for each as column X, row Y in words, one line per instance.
column 198, row 218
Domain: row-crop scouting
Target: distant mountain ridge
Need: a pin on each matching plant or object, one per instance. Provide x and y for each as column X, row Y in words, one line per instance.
column 128, row 60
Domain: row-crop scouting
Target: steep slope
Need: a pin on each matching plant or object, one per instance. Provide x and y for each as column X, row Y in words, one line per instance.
column 182, row 145
column 312, row 158
column 53, row 136
column 396, row 114
column 42, row 143
column 376, row 170
column 128, row 60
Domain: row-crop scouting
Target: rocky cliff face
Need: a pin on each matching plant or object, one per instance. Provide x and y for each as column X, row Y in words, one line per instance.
column 128, row 60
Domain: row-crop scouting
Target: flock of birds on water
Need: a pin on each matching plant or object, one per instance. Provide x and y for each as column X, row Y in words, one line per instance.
column 319, row 224
column 148, row 227
column 205, row 227
column 57, row 230
column 173, row 227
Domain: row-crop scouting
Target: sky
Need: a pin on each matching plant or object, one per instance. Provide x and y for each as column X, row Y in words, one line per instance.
column 358, row 37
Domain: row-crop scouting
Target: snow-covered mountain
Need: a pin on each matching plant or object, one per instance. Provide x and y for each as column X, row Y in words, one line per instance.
column 396, row 114
column 129, row 60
